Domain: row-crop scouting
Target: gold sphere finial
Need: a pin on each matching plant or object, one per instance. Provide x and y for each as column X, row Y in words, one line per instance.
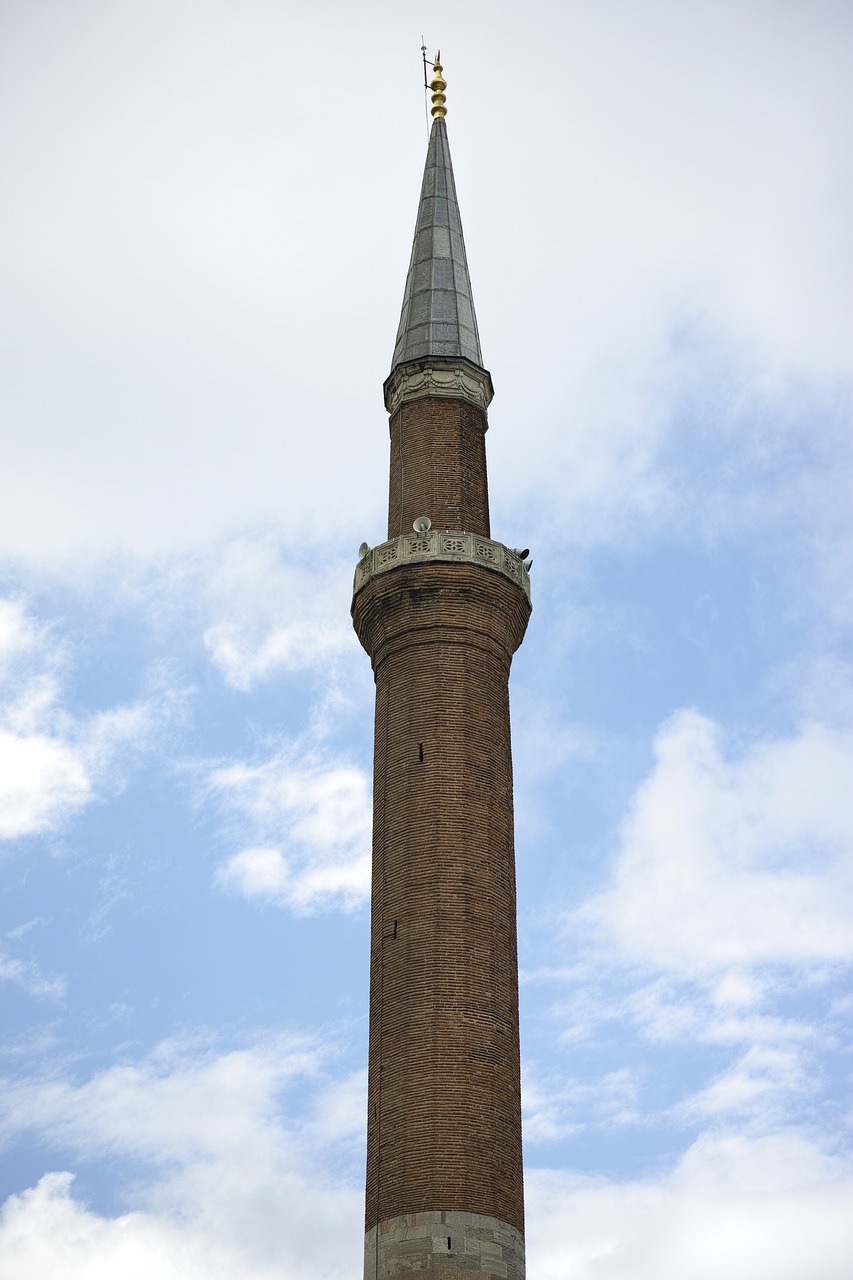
column 438, row 84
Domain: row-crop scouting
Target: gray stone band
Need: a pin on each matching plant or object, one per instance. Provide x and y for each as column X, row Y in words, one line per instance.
column 442, row 545
column 447, row 1243
column 454, row 379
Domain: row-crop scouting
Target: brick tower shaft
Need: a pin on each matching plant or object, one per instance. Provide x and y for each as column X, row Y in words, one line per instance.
column 441, row 611
column 438, row 465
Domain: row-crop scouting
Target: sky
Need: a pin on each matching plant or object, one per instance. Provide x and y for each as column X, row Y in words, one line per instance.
column 204, row 234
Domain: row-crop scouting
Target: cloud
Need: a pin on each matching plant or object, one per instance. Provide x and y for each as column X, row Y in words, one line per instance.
column 232, row 1175
column 216, row 347
column 556, row 1106
column 770, row 1208
column 182, row 1102
column 41, row 776
column 720, row 938
column 284, row 607
column 18, row 633
column 43, row 782
column 27, row 975
column 755, row 1088
column 729, row 860
column 53, row 763
column 724, row 1011
column 43, row 769
column 46, row 1235
column 318, row 816
column 251, row 1201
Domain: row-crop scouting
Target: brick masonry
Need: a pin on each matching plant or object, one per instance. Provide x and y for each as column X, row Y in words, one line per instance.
column 438, row 466
column 444, row 1102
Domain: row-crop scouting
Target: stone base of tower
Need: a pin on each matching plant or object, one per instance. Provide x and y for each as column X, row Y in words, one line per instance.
column 448, row 1244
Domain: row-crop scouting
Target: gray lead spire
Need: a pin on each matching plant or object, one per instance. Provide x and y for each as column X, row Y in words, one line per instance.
column 438, row 318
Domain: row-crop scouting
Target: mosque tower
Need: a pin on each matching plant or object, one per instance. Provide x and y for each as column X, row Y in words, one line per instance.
column 441, row 608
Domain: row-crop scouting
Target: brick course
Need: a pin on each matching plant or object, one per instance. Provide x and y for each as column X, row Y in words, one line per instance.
column 444, row 1124
column 438, row 466
column 444, row 1103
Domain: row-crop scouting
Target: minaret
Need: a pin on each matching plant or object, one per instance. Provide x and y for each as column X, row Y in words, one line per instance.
column 441, row 608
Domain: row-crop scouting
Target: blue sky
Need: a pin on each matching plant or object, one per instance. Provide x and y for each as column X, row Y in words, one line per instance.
column 203, row 244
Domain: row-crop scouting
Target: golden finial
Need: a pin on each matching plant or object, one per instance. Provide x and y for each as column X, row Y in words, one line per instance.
column 438, row 84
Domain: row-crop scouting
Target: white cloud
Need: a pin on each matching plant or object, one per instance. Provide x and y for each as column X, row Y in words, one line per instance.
column 754, row 1088
column 251, row 1200
column 276, row 609
column 772, row 1208
column 17, row 633
column 683, row 278
column 556, row 1106
column 725, row 862
column 338, row 1112
column 180, row 1103
column 319, row 817
column 737, row 990
column 725, row 921
column 43, row 781
column 47, row 1235
column 26, row 974
column 235, row 1180
column 216, row 347
column 52, row 763
column 670, row 1010
column 43, row 769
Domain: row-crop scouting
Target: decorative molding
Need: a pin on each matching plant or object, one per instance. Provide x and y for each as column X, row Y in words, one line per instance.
column 453, row 379
column 441, row 545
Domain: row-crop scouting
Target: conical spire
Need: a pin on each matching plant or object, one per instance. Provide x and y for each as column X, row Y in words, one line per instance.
column 438, row 318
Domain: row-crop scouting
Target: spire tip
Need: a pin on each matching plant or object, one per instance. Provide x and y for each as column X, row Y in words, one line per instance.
column 438, row 84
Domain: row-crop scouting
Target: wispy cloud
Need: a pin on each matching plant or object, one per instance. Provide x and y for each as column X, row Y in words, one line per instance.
column 27, row 974
column 314, row 818
column 556, row 1106
column 768, row 1208
column 729, row 859
column 755, row 1088
column 730, row 1011
column 53, row 762
column 724, row 921
column 278, row 608
column 235, row 1179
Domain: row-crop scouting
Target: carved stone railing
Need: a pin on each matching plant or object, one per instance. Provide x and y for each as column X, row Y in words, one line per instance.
column 441, row 545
